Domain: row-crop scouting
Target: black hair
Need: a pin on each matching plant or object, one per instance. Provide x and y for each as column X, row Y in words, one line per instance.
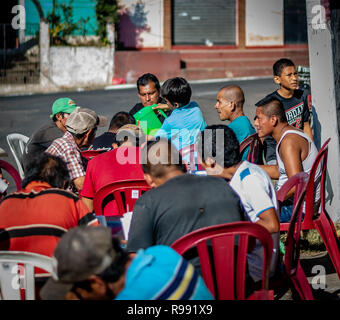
column 146, row 78
column 272, row 106
column 54, row 118
column 160, row 168
column 118, row 265
column 280, row 64
column 220, row 143
column 129, row 134
column 47, row 168
column 176, row 90
column 120, row 119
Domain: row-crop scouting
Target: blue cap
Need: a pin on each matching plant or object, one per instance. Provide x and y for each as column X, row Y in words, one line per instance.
column 160, row 273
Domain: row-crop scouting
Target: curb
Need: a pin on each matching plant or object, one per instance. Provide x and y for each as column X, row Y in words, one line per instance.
column 38, row 90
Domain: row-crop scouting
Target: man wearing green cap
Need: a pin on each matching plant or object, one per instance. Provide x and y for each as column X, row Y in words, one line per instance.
column 55, row 129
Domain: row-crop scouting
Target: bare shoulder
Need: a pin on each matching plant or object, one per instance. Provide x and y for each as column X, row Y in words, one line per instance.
column 293, row 142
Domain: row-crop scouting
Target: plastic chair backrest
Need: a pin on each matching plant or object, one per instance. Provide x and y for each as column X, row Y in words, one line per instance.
column 13, row 173
column 227, row 266
column 298, row 181
column 255, row 148
column 17, row 143
column 320, row 160
column 89, row 154
column 292, row 264
column 17, row 271
column 125, row 194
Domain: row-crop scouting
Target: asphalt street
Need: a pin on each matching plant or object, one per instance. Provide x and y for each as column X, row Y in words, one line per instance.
column 25, row 114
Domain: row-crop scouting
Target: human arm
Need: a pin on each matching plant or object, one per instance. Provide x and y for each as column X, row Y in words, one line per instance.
column 268, row 219
column 308, row 130
column 272, row 171
column 79, row 182
column 291, row 156
column 88, row 202
column 85, row 217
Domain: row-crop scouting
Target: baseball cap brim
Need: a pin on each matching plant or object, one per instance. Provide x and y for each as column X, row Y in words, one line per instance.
column 54, row 290
column 69, row 109
column 103, row 121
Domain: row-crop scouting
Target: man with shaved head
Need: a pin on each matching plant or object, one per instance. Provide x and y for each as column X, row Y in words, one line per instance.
column 295, row 151
column 229, row 106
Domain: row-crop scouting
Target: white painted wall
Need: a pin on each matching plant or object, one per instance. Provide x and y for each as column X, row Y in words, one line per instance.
column 151, row 36
column 80, row 66
column 264, row 23
column 323, row 99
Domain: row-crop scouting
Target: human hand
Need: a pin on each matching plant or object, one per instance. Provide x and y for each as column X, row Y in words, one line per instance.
column 162, row 106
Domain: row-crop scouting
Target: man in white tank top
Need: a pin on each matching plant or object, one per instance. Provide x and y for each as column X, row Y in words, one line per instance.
column 295, row 151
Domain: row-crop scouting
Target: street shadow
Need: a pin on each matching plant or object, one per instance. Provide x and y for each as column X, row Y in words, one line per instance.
column 323, row 260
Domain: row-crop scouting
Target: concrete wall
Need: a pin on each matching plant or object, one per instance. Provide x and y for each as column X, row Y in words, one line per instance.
column 264, row 23
column 141, row 24
column 130, row 65
column 80, row 66
column 321, row 44
column 67, row 67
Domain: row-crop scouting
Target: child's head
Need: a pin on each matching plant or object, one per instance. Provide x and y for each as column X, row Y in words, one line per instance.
column 177, row 91
column 285, row 74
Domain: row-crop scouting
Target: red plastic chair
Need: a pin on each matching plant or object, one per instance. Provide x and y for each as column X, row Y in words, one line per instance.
column 321, row 222
column 229, row 272
column 125, row 194
column 89, row 154
column 255, row 148
column 293, row 269
column 195, row 161
column 298, row 181
column 12, row 172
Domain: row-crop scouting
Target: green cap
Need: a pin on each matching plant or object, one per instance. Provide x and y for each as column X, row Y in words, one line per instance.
column 66, row 105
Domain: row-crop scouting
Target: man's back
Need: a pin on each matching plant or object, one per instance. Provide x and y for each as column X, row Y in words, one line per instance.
column 179, row 206
column 36, row 217
column 41, row 140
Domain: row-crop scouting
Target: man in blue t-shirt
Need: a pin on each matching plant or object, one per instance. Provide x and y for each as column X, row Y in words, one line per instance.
column 229, row 106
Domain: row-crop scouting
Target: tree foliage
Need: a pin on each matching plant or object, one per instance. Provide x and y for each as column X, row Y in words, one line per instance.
column 106, row 11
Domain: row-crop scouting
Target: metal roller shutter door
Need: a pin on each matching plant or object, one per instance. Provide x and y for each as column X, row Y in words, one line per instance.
column 204, row 22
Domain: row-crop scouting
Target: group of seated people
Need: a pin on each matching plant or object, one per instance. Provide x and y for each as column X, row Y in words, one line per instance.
column 53, row 213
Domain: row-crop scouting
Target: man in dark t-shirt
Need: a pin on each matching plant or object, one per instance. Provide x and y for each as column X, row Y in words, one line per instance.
column 178, row 203
column 43, row 137
column 296, row 102
column 149, row 93
column 108, row 138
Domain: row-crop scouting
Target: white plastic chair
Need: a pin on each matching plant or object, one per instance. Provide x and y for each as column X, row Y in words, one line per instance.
column 14, row 276
column 17, row 143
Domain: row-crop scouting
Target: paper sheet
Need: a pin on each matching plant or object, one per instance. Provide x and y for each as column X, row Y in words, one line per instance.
column 126, row 221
